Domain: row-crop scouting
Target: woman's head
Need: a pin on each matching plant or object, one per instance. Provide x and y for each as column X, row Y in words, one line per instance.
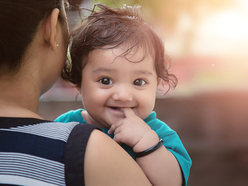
column 20, row 21
column 110, row 28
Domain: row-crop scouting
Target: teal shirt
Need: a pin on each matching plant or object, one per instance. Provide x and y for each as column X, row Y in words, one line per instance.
column 171, row 140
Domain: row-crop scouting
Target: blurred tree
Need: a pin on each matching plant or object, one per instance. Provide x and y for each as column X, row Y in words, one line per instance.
column 75, row 4
column 196, row 10
column 169, row 12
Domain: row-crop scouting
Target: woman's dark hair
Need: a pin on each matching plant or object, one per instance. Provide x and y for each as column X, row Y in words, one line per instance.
column 109, row 28
column 19, row 20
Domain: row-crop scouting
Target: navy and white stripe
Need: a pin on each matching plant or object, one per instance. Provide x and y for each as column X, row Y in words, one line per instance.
column 32, row 168
column 34, row 154
column 53, row 130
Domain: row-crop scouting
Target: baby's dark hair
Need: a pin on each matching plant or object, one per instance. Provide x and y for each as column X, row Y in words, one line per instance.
column 110, row 28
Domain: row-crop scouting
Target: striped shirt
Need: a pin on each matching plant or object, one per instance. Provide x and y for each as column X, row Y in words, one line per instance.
column 32, row 151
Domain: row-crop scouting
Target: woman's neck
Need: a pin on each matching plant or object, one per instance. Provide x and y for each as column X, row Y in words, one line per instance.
column 19, row 97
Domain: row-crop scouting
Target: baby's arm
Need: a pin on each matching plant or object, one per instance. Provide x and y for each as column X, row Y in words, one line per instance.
column 160, row 166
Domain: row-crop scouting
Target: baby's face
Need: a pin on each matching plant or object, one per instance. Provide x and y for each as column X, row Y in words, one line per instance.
column 110, row 83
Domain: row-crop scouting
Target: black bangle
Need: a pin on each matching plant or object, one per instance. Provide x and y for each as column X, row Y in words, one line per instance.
column 150, row 150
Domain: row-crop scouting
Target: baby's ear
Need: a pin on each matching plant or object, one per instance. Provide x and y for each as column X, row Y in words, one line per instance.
column 159, row 82
column 78, row 87
column 160, row 87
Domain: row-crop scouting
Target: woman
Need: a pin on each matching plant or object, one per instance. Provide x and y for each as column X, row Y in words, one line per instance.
column 33, row 151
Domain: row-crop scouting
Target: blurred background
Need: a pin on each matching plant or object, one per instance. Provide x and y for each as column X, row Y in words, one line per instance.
column 207, row 41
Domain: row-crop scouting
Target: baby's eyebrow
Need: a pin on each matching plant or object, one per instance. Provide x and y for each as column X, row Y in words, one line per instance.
column 140, row 72
column 144, row 72
column 103, row 70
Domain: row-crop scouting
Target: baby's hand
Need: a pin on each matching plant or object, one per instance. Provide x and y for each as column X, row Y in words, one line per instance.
column 129, row 130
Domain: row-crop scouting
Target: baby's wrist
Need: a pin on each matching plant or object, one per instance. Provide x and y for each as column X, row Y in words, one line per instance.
column 148, row 140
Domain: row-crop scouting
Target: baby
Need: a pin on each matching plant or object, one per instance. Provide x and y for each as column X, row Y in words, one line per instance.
column 117, row 64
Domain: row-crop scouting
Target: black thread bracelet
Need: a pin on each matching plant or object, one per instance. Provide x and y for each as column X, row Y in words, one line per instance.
column 150, row 150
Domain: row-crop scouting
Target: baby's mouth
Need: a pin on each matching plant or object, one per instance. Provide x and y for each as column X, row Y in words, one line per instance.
column 119, row 108
column 115, row 108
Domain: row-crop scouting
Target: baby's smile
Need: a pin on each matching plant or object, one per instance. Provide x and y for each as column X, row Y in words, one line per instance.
column 115, row 108
column 119, row 108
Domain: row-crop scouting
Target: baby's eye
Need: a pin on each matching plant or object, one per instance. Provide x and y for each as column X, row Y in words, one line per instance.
column 106, row 81
column 139, row 82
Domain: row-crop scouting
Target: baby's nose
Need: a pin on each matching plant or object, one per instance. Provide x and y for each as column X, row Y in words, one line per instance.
column 122, row 93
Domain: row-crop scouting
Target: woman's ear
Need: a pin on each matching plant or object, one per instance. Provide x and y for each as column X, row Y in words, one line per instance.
column 51, row 27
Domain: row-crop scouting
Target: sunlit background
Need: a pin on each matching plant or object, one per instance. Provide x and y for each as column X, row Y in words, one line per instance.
column 207, row 41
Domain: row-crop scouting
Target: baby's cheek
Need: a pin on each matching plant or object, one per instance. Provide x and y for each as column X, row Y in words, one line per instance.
column 146, row 110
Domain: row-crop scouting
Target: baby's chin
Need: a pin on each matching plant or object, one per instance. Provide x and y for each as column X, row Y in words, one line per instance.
column 106, row 124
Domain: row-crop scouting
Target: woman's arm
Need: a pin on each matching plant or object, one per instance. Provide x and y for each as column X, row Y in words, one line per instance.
column 106, row 163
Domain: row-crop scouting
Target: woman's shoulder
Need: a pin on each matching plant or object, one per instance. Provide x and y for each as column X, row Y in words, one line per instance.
column 102, row 152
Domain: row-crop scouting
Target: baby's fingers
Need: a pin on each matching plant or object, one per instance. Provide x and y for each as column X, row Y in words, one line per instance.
column 114, row 127
column 128, row 112
column 118, row 138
